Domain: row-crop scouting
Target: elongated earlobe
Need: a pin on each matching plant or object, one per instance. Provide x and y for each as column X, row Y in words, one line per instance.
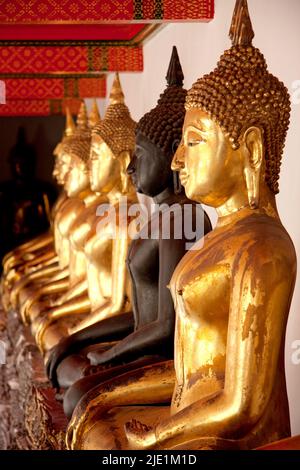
column 253, row 166
column 124, row 162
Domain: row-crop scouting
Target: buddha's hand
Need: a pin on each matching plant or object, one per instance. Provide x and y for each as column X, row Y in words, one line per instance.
column 57, row 354
column 140, row 436
column 100, row 357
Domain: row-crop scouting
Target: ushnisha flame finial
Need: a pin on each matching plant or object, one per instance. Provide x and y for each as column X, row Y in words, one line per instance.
column 116, row 95
column 82, row 118
column 241, row 32
column 175, row 75
column 70, row 124
column 163, row 124
column 94, row 117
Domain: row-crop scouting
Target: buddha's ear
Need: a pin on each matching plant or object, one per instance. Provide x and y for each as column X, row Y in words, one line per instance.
column 254, row 158
column 124, row 159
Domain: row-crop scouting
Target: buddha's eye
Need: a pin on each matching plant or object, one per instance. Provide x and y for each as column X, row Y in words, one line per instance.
column 193, row 143
column 193, row 138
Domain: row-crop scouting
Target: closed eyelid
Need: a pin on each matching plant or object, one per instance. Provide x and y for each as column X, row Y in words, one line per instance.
column 194, row 129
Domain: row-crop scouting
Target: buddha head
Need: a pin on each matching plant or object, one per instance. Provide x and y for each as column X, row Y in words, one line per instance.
column 78, row 149
column 112, row 145
column 235, row 126
column 158, row 134
column 62, row 159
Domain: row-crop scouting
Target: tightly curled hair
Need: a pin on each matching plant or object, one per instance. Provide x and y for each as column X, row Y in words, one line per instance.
column 241, row 93
column 163, row 124
column 117, row 129
column 78, row 145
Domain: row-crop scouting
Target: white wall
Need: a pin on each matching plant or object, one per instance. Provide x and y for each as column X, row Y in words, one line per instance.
column 276, row 25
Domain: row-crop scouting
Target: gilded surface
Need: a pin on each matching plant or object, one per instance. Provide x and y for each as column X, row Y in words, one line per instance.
column 232, row 296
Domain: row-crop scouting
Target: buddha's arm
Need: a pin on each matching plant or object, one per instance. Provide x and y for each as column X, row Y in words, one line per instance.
column 260, row 302
column 29, row 260
column 79, row 289
column 32, row 277
column 43, row 257
column 61, row 199
column 112, row 306
column 30, row 246
column 151, row 338
column 111, row 329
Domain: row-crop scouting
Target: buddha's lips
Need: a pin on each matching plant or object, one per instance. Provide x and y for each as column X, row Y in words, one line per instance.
column 183, row 178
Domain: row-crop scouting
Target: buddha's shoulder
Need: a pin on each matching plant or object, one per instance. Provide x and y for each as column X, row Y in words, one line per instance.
column 263, row 238
column 261, row 228
column 258, row 235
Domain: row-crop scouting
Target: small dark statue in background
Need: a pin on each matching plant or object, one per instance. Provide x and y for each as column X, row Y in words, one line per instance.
column 25, row 201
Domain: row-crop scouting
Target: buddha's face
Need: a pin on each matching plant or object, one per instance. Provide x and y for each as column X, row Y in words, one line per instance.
column 150, row 169
column 210, row 170
column 104, row 166
column 77, row 179
column 64, row 165
column 56, row 170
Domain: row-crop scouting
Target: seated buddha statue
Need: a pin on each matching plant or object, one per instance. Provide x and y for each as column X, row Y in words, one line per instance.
column 80, row 196
column 79, row 152
column 29, row 256
column 25, row 201
column 77, row 190
column 59, row 172
column 232, row 296
column 152, row 256
column 108, row 293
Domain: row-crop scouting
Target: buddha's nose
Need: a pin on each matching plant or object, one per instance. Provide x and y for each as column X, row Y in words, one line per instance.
column 178, row 159
column 131, row 167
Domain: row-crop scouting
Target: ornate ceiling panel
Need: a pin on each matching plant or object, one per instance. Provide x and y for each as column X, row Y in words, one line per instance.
column 69, row 59
column 39, row 107
column 47, row 87
column 71, row 32
column 97, row 11
column 51, row 50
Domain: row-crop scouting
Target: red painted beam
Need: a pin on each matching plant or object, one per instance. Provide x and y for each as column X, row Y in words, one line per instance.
column 69, row 32
column 54, row 88
column 38, row 107
column 79, row 11
column 69, row 59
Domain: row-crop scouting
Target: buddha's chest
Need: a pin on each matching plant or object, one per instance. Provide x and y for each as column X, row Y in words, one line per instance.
column 69, row 216
column 83, row 228
column 201, row 284
column 143, row 260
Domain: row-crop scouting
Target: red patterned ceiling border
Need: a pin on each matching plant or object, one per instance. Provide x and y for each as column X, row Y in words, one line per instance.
column 85, row 11
column 2, row 92
column 65, row 32
column 138, row 39
column 64, row 59
column 38, row 107
column 53, row 75
column 54, row 88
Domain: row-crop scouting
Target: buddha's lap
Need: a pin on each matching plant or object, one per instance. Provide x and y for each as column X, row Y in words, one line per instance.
column 107, row 432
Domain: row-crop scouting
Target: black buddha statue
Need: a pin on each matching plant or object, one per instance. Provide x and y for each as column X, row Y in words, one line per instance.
column 25, row 201
column 152, row 257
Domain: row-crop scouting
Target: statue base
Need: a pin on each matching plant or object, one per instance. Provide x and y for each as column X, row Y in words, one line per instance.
column 31, row 417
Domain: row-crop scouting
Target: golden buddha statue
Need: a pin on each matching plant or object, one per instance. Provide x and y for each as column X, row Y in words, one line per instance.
column 25, row 200
column 108, row 292
column 59, row 172
column 30, row 256
column 78, row 150
column 76, row 185
column 232, row 296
